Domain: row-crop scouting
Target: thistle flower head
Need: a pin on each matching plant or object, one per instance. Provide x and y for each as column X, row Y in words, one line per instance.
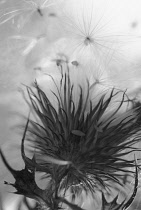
column 79, row 144
column 84, row 143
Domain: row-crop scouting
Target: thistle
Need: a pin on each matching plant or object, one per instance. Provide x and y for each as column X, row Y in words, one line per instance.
column 80, row 145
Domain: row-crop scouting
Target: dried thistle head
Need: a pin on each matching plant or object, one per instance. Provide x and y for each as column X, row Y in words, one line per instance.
column 79, row 145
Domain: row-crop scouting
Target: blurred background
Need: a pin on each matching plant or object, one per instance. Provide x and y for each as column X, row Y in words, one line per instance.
column 29, row 33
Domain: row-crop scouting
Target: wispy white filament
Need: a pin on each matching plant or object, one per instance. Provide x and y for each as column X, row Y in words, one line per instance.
column 19, row 14
column 89, row 27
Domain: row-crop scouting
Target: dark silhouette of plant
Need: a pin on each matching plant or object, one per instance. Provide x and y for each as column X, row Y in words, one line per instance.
column 79, row 146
